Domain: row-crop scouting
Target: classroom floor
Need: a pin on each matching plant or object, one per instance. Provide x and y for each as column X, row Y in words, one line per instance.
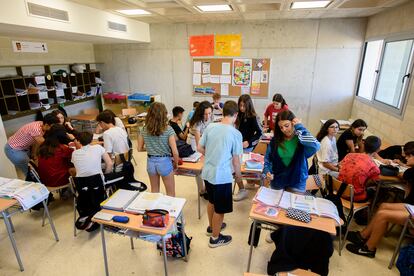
column 82, row 255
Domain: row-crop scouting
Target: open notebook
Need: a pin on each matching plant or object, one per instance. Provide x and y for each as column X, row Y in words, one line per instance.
column 282, row 199
column 27, row 193
column 119, row 200
column 193, row 158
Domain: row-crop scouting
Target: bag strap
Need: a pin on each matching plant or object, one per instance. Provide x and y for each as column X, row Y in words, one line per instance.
column 341, row 189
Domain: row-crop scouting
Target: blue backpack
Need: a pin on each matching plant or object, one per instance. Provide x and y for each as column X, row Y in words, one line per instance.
column 405, row 262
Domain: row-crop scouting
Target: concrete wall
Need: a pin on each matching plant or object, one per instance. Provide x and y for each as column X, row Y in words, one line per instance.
column 391, row 129
column 314, row 63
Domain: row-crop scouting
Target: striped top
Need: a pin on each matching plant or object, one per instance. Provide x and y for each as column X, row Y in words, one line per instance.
column 158, row 145
column 25, row 136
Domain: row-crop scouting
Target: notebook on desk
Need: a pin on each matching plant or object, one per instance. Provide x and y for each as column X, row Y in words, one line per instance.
column 119, row 200
column 193, row 158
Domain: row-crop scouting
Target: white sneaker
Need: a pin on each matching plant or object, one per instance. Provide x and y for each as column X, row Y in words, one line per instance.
column 268, row 237
column 241, row 194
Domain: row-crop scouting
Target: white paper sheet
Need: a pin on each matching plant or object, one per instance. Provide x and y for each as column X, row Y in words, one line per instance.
column 196, row 79
column 197, row 67
column 224, row 89
column 43, row 95
column 225, row 68
column 40, row 79
column 256, row 77
column 206, row 67
column 269, row 196
column 206, row 78
column 215, row 78
column 245, row 89
column 225, row 79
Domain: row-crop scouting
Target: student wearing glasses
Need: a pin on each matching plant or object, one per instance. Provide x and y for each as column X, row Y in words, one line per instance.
column 351, row 139
column 328, row 153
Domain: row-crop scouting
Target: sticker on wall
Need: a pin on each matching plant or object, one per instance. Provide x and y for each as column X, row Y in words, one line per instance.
column 29, row 47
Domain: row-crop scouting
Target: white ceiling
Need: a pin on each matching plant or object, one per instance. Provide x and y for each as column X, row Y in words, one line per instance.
column 170, row 11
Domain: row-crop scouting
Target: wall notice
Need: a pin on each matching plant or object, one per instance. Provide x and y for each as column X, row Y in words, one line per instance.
column 29, row 47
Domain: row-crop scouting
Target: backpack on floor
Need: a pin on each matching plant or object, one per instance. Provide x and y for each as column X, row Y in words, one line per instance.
column 405, row 262
column 175, row 244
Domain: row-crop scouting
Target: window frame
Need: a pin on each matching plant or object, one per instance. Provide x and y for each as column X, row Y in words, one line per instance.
column 387, row 108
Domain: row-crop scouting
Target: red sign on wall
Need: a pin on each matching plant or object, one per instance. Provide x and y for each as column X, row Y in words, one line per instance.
column 201, row 45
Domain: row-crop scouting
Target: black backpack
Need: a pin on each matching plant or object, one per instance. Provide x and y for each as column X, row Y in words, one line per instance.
column 336, row 199
column 184, row 149
column 127, row 172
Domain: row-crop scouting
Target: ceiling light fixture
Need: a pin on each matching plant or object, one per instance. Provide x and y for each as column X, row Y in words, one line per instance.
column 133, row 12
column 310, row 4
column 214, row 8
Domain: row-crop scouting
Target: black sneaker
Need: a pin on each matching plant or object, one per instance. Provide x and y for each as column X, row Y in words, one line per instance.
column 209, row 231
column 220, row 241
column 356, row 238
column 361, row 250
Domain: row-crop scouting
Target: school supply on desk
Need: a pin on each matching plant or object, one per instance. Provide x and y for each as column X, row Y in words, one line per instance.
column 120, row 219
column 155, row 218
column 193, row 158
column 27, row 193
column 148, row 201
column 266, row 210
column 391, row 169
column 103, row 216
column 299, row 215
column 269, row 196
column 410, row 209
column 253, row 161
column 119, row 200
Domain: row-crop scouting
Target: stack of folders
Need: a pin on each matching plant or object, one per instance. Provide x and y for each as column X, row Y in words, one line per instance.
column 120, row 200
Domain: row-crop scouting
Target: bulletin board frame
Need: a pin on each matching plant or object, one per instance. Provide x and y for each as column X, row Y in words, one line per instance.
column 257, row 89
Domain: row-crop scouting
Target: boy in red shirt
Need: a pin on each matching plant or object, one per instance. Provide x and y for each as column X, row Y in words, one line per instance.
column 358, row 168
column 278, row 105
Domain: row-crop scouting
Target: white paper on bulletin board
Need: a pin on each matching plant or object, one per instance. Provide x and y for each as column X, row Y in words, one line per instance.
column 29, row 47
column 224, row 89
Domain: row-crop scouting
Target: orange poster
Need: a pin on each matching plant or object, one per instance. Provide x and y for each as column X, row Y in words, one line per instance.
column 201, row 45
column 228, row 45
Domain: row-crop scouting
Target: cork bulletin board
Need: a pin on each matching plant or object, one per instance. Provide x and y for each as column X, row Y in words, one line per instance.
column 231, row 76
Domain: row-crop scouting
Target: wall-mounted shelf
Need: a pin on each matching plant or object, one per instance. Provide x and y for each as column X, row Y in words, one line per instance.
column 17, row 100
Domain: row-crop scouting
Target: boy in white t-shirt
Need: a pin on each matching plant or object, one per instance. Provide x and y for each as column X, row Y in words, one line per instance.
column 87, row 158
column 115, row 138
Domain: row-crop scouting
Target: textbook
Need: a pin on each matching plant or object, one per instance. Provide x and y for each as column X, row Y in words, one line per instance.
column 27, row 193
column 147, row 201
column 119, row 200
column 193, row 158
column 284, row 200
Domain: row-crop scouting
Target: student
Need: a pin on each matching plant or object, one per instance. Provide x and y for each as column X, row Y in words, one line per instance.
column 174, row 123
column 64, row 121
column 87, row 158
column 279, row 104
column 117, row 121
column 191, row 113
column 286, row 164
column 365, row 242
column 351, row 139
column 222, row 146
column 159, row 139
column 199, row 122
column 358, row 168
column 115, row 138
column 217, row 107
column 328, row 153
column 28, row 136
column 249, row 126
column 54, row 157
column 398, row 153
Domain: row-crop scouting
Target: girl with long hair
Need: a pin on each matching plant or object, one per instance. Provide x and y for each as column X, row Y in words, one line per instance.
column 54, row 157
column 159, row 138
column 199, row 122
column 278, row 105
column 351, row 140
column 328, row 153
column 286, row 164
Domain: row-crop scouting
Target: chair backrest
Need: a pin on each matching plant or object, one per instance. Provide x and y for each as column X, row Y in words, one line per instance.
column 118, row 160
column 129, row 111
column 33, row 171
column 349, row 191
column 91, row 111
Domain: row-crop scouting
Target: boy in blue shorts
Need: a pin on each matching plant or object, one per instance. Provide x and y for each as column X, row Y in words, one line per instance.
column 222, row 146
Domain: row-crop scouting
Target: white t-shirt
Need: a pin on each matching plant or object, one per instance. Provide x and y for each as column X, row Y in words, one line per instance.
column 200, row 127
column 87, row 160
column 119, row 123
column 115, row 140
column 327, row 153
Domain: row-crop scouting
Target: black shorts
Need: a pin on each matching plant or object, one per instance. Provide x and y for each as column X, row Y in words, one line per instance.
column 220, row 196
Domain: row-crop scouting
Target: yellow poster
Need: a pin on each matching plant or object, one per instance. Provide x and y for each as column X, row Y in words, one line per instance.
column 228, row 45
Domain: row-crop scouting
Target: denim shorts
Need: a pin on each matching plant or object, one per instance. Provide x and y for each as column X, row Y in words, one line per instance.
column 159, row 165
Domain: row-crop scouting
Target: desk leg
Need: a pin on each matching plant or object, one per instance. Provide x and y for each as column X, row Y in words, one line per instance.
column 132, row 243
column 164, row 251
column 251, row 244
column 374, row 201
column 184, row 239
column 199, row 183
column 13, row 242
column 10, row 221
column 52, row 225
column 104, row 250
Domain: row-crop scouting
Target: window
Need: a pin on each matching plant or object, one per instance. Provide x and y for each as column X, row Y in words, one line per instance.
column 385, row 73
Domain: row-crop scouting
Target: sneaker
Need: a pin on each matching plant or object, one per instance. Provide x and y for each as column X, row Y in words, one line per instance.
column 361, row 250
column 269, row 237
column 220, row 241
column 241, row 194
column 356, row 238
column 210, row 231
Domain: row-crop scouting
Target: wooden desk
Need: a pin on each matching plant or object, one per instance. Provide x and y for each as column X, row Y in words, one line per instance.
column 318, row 223
column 135, row 224
column 84, row 117
column 5, row 205
column 389, row 182
column 297, row 272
